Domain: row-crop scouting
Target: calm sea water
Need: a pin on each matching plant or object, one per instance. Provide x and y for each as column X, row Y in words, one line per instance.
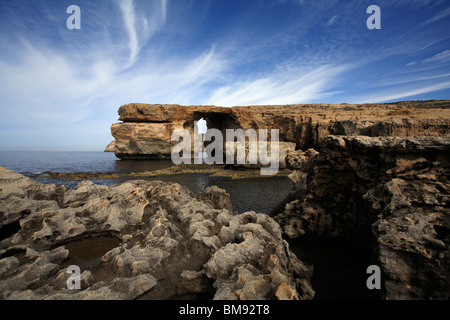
column 260, row 194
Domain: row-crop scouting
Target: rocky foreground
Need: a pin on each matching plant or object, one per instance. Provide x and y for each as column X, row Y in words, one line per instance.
column 169, row 243
column 389, row 192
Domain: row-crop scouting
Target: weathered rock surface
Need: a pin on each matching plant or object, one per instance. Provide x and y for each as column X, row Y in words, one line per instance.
column 111, row 147
column 170, row 243
column 391, row 191
column 146, row 129
column 299, row 159
column 372, row 172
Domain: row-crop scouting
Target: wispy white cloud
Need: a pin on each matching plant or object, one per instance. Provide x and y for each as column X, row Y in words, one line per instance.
column 67, row 99
column 134, row 51
column 412, row 78
column 129, row 20
column 140, row 27
column 164, row 10
column 331, row 21
column 432, row 43
column 396, row 94
column 285, row 87
column 439, row 16
column 46, row 86
column 442, row 56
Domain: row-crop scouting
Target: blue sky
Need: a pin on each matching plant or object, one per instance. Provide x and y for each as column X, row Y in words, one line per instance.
column 60, row 89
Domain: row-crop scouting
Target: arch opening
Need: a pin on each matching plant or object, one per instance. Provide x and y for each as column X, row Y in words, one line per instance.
column 198, row 126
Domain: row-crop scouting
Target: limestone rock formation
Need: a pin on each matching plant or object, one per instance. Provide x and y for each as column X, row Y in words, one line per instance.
column 390, row 191
column 167, row 243
column 111, row 147
column 299, row 159
column 373, row 173
column 146, row 129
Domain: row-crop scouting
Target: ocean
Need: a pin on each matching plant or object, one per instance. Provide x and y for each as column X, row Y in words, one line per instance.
column 252, row 194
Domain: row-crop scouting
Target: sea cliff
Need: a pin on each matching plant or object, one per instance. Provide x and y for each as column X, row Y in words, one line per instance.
column 145, row 130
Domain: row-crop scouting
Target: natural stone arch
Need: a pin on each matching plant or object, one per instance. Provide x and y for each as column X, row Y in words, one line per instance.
column 217, row 120
column 214, row 120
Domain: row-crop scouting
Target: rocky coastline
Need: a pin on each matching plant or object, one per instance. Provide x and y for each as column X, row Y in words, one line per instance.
column 170, row 243
column 371, row 174
column 213, row 170
column 145, row 130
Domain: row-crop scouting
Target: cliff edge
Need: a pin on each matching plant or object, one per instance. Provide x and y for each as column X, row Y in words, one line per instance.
column 145, row 129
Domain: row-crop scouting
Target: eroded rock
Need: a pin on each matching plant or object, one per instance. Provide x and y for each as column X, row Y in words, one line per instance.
column 146, row 129
column 170, row 243
column 391, row 191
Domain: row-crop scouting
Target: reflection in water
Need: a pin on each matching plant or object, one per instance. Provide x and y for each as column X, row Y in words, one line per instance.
column 253, row 194
column 128, row 166
column 201, row 183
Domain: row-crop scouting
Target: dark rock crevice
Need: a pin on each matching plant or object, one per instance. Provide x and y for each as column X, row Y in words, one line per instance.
column 9, row 230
